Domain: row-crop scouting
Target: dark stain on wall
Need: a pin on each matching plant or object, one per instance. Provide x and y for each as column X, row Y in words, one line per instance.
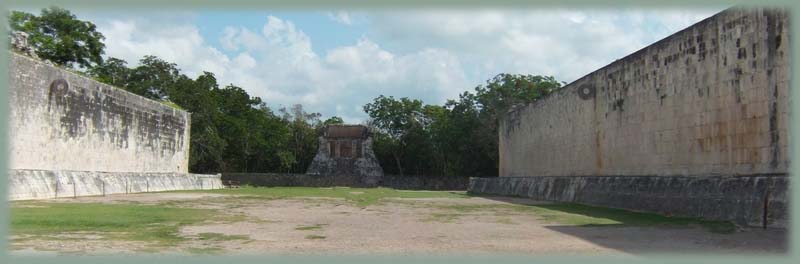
column 598, row 151
column 772, row 43
column 112, row 115
column 512, row 120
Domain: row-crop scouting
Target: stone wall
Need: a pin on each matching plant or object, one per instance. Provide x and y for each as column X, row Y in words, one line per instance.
column 754, row 200
column 432, row 183
column 306, row 180
column 72, row 136
column 292, row 179
column 64, row 121
column 712, row 99
column 694, row 125
column 42, row 184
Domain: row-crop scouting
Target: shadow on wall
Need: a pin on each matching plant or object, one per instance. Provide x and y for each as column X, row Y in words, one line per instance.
column 636, row 232
column 748, row 200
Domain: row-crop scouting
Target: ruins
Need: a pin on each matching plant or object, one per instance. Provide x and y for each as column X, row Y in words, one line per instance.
column 346, row 151
column 73, row 136
column 696, row 124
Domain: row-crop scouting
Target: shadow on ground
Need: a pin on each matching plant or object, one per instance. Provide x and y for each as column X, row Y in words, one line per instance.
column 637, row 233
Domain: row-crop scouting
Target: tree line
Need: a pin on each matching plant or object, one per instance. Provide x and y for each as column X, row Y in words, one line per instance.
column 234, row 132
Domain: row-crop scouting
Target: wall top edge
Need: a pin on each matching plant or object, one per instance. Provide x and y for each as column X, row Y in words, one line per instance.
column 570, row 86
column 15, row 55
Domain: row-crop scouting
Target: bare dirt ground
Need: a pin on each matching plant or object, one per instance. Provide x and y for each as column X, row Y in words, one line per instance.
column 301, row 226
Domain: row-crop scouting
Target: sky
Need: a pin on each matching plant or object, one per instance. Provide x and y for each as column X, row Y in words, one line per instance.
column 335, row 61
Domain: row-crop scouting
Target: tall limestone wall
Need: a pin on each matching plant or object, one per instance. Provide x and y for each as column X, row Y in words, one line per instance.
column 63, row 121
column 72, row 136
column 712, row 99
column 694, row 125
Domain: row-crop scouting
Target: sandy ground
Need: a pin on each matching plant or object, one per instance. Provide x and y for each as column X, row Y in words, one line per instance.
column 407, row 227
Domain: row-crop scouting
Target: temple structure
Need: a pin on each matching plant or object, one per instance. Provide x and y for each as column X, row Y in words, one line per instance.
column 346, row 151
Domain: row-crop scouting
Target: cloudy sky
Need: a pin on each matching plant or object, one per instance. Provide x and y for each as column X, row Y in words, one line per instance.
column 335, row 61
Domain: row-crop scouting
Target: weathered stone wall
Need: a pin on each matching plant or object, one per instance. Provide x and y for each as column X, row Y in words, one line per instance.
column 63, row 121
column 712, row 99
column 42, row 184
column 292, row 179
column 307, row 180
column 433, row 183
column 755, row 200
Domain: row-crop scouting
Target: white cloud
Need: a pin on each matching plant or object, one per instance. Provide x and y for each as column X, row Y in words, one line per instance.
column 428, row 55
column 182, row 44
column 564, row 43
column 341, row 17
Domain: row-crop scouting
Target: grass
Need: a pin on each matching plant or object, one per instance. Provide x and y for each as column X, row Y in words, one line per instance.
column 442, row 218
column 592, row 214
column 171, row 104
column 221, row 237
column 584, row 215
column 205, row 250
column 556, row 213
column 505, row 221
column 160, row 223
column 132, row 222
column 313, row 227
column 359, row 196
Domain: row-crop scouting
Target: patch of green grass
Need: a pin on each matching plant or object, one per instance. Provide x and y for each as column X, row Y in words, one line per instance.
column 506, row 221
column 312, row 227
column 584, row 215
column 442, row 218
column 257, row 220
column 221, row 237
column 150, row 223
column 148, row 250
column 205, row 250
column 359, row 196
column 221, row 202
column 578, row 214
column 315, row 237
column 171, row 104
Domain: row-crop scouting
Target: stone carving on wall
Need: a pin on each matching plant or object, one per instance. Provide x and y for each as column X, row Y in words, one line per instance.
column 346, row 150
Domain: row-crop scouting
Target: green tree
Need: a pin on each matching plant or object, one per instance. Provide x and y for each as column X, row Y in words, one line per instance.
column 112, row 71
column 304, row 129
column 153, row 78
column 400, row 119
column 57, row 35
column 198, row 96
column 334, row 120
column 495, row 99
column 460, row 139
column 503, row 91
column 456, row 139
column 230, row 130
column 287, row 159
column 256, row 138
